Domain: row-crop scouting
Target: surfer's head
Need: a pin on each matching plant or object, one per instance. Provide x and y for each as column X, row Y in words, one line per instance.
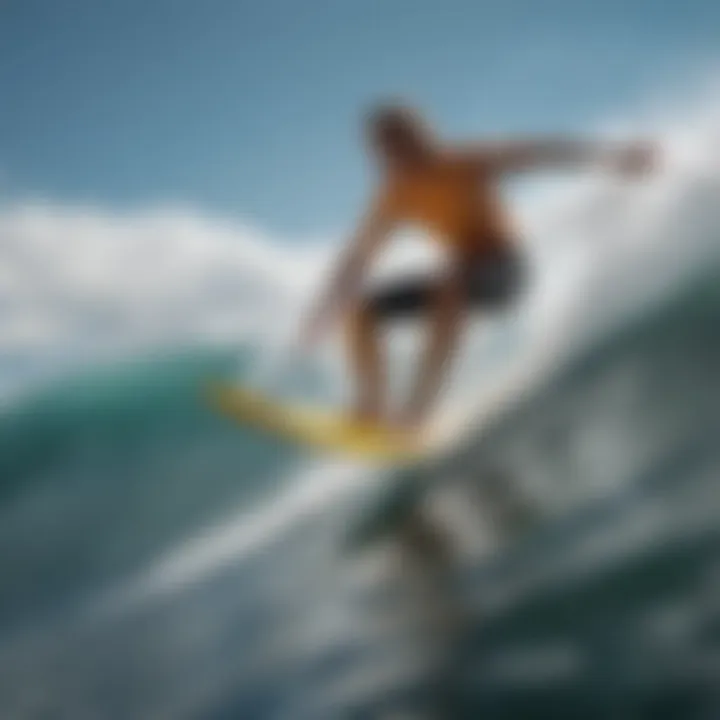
column 398, row 134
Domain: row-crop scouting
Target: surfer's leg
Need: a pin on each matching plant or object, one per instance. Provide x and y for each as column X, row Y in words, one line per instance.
column 487, row 284
column 366, row 363
column 443, row 332
column 401, row 299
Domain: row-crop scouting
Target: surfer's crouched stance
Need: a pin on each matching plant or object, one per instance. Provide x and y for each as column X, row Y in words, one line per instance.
column 452, row 193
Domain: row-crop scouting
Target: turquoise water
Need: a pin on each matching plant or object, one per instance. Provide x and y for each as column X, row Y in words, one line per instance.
column 109, row 468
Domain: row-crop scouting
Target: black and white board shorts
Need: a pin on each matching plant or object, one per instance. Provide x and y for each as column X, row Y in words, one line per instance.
column 492, row 281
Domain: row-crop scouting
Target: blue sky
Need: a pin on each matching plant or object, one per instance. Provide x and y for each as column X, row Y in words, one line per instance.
column 251, row 109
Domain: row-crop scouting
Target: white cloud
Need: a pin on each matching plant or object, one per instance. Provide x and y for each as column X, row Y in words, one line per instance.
column 80, row 281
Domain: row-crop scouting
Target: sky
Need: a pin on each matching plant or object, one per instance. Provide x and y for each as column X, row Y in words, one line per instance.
column 252, row 110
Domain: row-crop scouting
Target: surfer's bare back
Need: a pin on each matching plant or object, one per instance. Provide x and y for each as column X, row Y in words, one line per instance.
column 450, row 191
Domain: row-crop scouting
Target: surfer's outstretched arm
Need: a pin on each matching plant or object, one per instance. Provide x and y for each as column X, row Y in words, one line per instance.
column 349, row 272
column 538, row 154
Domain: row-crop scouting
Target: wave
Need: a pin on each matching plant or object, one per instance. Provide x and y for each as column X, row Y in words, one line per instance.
column 112, row 467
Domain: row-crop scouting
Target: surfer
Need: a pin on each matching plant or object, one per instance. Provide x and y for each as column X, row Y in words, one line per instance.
column 451, row 192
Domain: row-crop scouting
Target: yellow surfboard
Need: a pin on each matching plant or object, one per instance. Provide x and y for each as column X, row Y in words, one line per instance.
column 323, row 429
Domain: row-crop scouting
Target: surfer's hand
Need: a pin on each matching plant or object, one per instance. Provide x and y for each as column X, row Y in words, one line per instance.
column 634, row 160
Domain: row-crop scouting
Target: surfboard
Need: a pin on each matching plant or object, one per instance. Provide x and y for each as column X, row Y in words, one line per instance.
column 321, row 429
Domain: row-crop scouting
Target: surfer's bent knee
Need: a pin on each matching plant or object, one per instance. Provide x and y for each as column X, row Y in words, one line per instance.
column 361, row 316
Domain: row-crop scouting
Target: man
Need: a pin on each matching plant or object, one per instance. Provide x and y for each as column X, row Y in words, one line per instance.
column 450, row 191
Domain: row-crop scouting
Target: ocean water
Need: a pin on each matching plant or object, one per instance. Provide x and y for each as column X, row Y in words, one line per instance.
column 158, row 561
column 598, row 597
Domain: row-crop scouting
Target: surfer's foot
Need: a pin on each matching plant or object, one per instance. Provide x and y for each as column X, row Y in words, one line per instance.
column 408, row 424
column 366, row 416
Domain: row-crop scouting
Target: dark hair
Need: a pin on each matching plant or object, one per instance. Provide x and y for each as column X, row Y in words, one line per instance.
column 397, row 124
